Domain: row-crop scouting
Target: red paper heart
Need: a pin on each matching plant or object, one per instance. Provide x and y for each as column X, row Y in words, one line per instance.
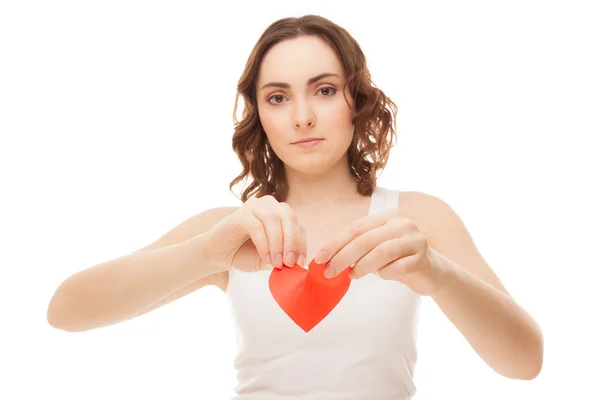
column 307, row 296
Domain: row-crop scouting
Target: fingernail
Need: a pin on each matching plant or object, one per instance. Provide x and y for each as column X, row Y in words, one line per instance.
column 328, row 272
column 278, row 260
column 301, row 260
column 321, row 256
column 290, row 259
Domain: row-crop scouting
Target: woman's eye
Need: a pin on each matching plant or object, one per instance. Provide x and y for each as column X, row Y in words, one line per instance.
column 329, row 89
column 325, row 91
column 275, row 97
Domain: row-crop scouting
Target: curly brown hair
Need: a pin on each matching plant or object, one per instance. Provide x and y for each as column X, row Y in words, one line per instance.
column 374, row 113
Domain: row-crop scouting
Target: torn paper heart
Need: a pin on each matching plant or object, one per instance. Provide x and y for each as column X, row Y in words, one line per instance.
column 307, row 296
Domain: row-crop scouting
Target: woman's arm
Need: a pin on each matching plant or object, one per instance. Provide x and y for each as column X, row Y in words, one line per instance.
column 131, row 285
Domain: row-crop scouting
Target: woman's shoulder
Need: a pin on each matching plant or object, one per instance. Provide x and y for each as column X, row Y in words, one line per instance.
column 191, row 226
column 406, row 199
column 421, row 208
column 418, row 200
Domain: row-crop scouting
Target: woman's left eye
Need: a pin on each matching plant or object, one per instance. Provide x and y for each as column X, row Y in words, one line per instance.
column 330, row 88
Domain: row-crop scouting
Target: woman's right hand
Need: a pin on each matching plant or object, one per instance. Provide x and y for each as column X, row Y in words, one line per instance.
column 261, row 234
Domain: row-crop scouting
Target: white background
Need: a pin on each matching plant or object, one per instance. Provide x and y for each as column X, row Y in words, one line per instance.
column 116, row 123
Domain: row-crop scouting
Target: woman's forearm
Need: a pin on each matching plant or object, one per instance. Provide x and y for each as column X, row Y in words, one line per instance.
column 503, row 334
column 118, row 289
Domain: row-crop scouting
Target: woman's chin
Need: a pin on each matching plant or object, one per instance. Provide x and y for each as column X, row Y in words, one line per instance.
column 310, row 165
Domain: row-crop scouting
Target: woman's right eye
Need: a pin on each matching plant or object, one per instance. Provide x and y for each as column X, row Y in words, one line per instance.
column 274, row 97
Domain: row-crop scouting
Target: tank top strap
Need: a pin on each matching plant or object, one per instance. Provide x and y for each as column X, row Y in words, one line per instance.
column 383, row 199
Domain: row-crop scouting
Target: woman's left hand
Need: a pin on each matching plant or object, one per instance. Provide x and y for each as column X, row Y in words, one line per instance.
column 389, row 244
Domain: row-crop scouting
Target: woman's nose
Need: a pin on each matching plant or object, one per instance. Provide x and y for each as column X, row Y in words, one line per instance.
column 304, row 116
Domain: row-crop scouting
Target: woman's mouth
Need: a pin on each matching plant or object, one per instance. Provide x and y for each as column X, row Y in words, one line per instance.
column 308, row 142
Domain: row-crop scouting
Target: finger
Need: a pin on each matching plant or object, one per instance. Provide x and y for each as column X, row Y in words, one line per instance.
column 271, row 221
column 383, row 254
column 255, row 229
column 353, row 231
column 357, row 249
column 302, row 245
column 289, row 225
column 399, row 268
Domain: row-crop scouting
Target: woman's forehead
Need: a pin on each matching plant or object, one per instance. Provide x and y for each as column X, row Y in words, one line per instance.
column 296, row 61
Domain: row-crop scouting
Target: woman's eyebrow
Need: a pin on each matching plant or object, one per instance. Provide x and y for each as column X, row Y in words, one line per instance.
column 308, row 82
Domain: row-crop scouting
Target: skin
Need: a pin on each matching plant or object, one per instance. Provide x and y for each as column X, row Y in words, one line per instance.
column 422, row 244
column 318, row 109
column 319, row 177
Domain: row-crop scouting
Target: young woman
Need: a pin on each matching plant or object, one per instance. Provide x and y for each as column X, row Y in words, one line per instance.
column 324, row 269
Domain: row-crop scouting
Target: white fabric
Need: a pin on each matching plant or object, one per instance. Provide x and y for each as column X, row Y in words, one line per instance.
column 364, row 349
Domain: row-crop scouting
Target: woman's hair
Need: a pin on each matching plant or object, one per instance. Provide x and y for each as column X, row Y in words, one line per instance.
column 374, row 113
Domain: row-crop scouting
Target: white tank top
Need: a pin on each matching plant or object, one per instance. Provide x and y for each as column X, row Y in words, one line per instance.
column 364, row 349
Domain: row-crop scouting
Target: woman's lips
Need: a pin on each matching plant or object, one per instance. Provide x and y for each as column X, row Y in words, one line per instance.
column 308, row 143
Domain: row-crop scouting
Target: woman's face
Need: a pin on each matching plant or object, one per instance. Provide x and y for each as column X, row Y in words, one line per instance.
column 299, row 96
